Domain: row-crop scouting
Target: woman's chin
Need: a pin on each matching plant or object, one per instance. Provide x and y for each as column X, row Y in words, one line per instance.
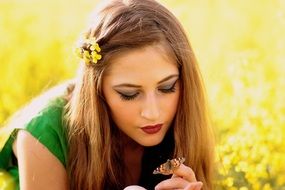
column 150, row 141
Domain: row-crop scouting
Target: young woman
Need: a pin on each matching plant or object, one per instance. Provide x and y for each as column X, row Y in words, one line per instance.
column 137, row 102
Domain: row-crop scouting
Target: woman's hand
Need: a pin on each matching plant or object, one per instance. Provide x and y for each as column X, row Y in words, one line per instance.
column 183, row 178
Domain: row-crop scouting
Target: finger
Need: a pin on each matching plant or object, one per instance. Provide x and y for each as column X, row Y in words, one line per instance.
column 199, row 186
column 194, row 186
column 172, row 183
column 185, row 172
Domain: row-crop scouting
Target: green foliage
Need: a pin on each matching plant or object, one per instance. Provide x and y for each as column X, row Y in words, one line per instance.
column 6, row 181
column 239, row 45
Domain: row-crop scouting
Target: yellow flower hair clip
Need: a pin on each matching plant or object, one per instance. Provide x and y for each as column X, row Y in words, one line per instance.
column 89, row 51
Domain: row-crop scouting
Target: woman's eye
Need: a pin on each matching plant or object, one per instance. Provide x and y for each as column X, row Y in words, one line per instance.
column 127, row 96
column 168, row 89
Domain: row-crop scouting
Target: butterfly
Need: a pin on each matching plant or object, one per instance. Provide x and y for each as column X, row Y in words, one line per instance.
column 169, row 166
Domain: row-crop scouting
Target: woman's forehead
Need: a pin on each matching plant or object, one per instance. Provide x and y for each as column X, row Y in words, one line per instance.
column 151, row 62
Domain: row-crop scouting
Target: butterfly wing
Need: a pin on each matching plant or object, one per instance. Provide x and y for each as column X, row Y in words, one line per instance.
column 168, row 167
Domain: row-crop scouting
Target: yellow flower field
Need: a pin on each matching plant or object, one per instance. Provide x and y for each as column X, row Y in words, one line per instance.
column 240, row 46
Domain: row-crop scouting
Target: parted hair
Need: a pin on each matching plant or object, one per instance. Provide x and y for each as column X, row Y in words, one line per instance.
column 94, row 149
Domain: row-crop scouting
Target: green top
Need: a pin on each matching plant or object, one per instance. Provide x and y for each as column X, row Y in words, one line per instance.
column 48, row 127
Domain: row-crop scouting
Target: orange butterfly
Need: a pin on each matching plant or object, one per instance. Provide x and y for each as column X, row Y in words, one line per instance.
column 169, row 166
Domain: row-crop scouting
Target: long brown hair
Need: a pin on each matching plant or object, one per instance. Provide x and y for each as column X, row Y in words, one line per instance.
column 93, row 144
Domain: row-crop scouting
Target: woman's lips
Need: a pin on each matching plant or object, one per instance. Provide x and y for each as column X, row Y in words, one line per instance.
column 152, row 129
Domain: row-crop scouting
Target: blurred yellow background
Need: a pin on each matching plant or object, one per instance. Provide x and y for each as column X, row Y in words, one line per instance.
column 240, row 46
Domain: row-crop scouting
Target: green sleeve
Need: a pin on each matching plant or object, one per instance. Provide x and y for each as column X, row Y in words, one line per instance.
column 49, row 128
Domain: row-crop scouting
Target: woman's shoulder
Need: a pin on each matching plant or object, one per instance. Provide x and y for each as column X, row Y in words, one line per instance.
column 44, row 119
column 48, row 126
column 34, row 159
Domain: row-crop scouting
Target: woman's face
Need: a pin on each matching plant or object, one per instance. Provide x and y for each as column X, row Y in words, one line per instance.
column 141, row 88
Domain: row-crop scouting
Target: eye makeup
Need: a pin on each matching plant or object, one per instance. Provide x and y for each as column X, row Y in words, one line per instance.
column 127, row 96
column 169, row 88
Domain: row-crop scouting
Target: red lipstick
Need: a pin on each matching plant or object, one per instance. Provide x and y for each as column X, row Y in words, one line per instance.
column 152, row 129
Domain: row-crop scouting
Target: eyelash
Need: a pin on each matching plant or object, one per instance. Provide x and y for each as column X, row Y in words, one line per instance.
column 131, row 97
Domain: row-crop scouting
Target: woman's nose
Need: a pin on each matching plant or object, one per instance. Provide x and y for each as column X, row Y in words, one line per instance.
column 150, row 108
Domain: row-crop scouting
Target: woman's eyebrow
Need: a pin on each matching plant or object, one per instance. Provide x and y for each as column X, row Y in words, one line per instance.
column 138, row 86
